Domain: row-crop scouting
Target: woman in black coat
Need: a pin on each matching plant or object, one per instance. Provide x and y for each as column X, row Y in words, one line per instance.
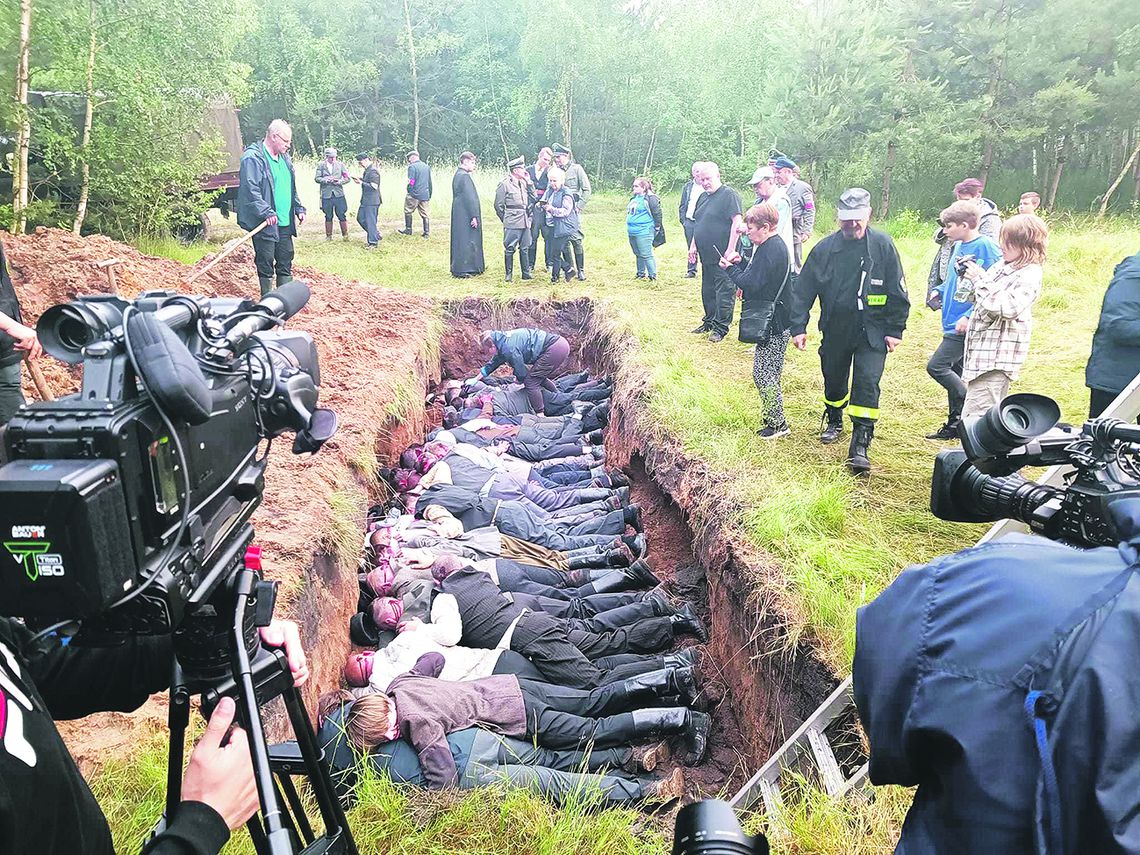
column 765, row 279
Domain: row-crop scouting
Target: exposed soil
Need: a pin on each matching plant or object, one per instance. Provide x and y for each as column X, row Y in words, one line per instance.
column 371, row 343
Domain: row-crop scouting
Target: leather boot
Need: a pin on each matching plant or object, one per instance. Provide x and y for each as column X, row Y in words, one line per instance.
column 509, row 265
column 580, row 261
column 646, row 758
column 427, row 228
column 675, row 721
column 344, row 229
column 589, row 560
column 831, row 425
column 526, row 264
column 637, row 545
column 407, row 230
column 594, row 494
column 686, row 622
column 328, row 230
column 632, row 516
column 858, row 455
column 663, row 606
column 680, row 658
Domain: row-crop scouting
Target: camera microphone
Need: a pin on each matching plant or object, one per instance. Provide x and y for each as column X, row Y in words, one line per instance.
column 276, row 306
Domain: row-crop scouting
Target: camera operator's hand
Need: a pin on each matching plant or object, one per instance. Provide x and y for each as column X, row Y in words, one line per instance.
column 221, row 776
column 800, row 341
column 962, row 325
column 286, row 634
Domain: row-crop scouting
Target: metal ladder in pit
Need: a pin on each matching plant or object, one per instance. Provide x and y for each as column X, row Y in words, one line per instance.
column 809, row 746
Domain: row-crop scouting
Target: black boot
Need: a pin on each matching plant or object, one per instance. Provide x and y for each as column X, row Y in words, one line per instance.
column 509, row 265
column 686, row 622
column 858, row 455
column 407, row 229
column 662, row 605
column 427, row 228
column 266, row 283
column 580, row 261
column 831, row 425
column 637, row 545
column 600, row 560
column 666, row 721
column 654, row 685
column 632, row 516
column 680, row 658
column 526, row 263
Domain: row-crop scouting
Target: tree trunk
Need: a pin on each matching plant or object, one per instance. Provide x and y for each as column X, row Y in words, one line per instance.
column 24, row 123
column 602, row 147
column 649, row 152
column 1062, row 156
column 1136, row 185
column 742, row 136
column 309, row 137
column 992, row 90
column 494, row 95
column 888, row 168
column 88, row 115
column 1108, row 193
column 415, row 78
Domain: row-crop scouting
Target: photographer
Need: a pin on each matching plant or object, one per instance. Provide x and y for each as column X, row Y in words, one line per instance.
column 45, row 805
column 1002, row 682
column 1115, row 358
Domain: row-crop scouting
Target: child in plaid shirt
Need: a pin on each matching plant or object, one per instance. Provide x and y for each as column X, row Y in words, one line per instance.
column 997, row 340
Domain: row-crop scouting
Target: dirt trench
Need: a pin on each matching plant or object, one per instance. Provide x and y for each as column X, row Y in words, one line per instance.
column 762, row 688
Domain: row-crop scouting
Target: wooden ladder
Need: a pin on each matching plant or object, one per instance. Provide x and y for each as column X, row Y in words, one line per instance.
column 809, row 746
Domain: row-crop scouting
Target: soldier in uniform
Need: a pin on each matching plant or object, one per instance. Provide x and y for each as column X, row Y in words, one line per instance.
column 857, row 275
column 332, row 175
column 513, row 205
column 577, row 185
column 802, row 201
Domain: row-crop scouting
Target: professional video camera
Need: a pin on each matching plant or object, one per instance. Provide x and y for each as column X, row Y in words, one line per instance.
column 979, row 484
column 711, row 826
column 126, row 507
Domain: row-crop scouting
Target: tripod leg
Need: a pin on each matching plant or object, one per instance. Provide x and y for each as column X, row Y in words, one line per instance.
column 177, row 719
column 317, row 769
column 301, row 819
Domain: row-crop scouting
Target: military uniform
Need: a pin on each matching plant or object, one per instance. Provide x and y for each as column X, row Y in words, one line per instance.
column 803, row 215
column 538, row 224
column 513, row 205
column 577, row 184
column 863, row 300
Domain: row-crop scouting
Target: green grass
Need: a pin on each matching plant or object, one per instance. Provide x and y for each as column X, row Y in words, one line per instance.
column 839, row 541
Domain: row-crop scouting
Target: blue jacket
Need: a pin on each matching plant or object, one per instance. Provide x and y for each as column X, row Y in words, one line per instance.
column 1115, row 358
column 517, row 348
column 946, row 660
column 986, row 253
column 255, row 192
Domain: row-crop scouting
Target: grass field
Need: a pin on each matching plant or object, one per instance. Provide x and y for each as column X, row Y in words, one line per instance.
column 840, row 541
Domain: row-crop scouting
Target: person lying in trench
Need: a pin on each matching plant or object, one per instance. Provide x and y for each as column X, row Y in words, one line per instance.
column 606, row 777
column 562, row 649
column 423, row 709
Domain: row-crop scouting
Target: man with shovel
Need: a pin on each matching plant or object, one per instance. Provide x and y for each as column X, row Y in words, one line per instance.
column 268, row 203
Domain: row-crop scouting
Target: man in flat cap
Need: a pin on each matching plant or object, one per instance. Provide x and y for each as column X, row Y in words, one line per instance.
column 369, row 199
column 513, row 205
column 858, row 277
column 332, row 175
column 466, row 221
column 802, row 200
column 419, row 193
column 578, row 186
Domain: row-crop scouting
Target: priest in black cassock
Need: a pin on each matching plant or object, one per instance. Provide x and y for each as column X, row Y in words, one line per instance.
column 466, row 221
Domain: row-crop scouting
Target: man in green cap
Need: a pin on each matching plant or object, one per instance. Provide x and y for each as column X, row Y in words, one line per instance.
column 577, row 185
column 513, row 205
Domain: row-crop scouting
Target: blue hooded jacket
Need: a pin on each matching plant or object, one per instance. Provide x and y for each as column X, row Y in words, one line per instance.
column 963, row 664
column 517, row 348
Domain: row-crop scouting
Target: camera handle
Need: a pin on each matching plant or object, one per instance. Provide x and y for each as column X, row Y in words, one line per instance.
column 259, row 680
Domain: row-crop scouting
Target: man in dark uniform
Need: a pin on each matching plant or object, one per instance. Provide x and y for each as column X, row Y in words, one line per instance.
column 418, row 198
column 369, row 199
column 536, row 177
column 513, row 206
column 858, row 277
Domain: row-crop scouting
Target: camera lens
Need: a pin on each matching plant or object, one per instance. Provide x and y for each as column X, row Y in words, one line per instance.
column 1009, row 424
column 711, row 828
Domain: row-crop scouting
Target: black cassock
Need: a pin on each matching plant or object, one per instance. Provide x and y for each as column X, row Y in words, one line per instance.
column 466, row 242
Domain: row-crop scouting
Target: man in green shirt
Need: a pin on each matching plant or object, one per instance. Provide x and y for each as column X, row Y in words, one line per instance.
column 267, row 193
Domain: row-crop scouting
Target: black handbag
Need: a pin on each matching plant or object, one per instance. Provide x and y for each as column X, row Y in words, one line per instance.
column 659, row 236
column 756, row 323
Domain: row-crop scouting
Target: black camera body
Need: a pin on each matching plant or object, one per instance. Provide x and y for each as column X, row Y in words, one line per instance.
column 961, row 261
column 980, row 483
column 137, row 490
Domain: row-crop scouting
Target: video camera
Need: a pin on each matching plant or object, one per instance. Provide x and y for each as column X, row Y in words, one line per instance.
column 127, row 503
column 980, row 484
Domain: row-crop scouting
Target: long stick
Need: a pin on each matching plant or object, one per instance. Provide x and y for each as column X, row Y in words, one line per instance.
column 39, row 381
column 226, row 250
column 1108, row 193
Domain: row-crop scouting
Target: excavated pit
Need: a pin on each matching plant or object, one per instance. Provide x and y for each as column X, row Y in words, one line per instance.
column 762, row 687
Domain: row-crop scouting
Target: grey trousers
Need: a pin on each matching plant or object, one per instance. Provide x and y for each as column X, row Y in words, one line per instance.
column 10, row 394
column 945, row 366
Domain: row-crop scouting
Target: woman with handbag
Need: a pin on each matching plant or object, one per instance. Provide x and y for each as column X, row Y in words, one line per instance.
column 643, row 223
column 764, row 286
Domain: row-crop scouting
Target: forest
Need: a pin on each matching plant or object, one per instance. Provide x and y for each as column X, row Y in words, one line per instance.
column 904, row 97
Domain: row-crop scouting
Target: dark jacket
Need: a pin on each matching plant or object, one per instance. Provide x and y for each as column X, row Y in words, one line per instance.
column 686, row 194
column 428, row 709
column 946, row 660
column 562, row 211
column 517, row 348
column 255, row 192
column 884, row 297
column 10, row 306
column 485, row 612
column 762, row 279
column 1115, row 358
column 45, row 805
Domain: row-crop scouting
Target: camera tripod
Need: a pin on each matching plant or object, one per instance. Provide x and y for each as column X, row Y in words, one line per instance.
column 214, row 659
